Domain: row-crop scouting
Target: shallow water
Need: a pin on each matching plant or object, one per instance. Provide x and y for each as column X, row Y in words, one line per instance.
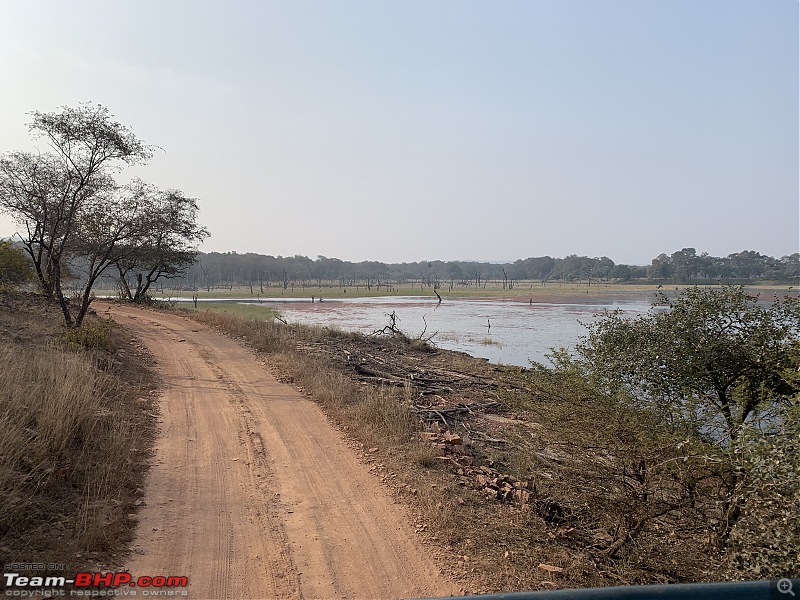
column 502, row 331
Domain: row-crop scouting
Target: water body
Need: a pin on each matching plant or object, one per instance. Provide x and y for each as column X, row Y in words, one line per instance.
column 504, row 331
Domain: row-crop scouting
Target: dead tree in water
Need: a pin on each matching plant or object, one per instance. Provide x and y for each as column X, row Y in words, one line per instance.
column 391, row 328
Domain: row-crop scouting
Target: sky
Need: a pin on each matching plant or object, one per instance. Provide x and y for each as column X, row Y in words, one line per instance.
column 438, row 129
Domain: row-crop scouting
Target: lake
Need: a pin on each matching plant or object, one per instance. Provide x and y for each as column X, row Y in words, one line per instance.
column 504, row 331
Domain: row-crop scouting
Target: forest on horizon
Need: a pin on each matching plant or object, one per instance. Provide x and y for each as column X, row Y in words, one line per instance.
column 215, row 269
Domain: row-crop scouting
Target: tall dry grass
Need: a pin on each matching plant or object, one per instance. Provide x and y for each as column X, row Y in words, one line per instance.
column 60, row 430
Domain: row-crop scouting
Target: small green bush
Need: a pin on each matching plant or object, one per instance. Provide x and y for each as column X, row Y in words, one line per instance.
column 91, row 335
column 15, row 268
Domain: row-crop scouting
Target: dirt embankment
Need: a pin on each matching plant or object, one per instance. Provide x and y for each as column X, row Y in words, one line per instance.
column 253, row 494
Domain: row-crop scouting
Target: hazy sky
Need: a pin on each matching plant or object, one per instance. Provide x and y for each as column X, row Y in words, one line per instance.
column 411, row 130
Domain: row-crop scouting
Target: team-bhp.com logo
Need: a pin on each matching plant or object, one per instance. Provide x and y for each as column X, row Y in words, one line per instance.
column 94, row 584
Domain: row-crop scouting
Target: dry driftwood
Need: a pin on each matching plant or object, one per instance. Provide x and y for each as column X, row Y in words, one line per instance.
column 442, row 413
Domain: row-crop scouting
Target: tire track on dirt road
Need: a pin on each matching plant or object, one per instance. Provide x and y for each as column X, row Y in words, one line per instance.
column 252, row 493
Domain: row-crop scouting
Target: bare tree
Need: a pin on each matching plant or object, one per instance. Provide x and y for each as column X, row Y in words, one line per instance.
column 35, row 190
column 167, row 245
column 110, row 229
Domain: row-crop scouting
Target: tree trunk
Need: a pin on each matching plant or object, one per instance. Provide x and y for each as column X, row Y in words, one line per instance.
column 123, row 283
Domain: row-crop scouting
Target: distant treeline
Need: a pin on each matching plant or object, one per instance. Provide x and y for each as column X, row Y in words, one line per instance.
column 215, row 270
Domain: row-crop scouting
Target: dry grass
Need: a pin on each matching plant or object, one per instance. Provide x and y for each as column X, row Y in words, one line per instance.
column 246, row 311
column 75, row 432
column 265, row 336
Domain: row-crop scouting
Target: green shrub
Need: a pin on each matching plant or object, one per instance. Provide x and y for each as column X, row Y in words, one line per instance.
column 15, row 268
column 91, row 335
column 763, row 543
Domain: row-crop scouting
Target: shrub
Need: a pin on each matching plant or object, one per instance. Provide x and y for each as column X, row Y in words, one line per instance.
column 15, row 268
column 91, row 335
column 763, row 543
column 723, row 367
column 716, row 360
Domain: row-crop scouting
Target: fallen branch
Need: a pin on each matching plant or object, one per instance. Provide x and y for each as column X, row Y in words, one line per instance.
column 433, row 414
column 361, row 369
column 486, row 438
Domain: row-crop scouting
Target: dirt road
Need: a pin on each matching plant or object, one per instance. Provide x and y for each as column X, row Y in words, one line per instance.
column 252, row 493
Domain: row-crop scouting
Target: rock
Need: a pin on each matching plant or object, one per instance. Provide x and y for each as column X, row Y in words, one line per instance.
column 521, row 497
column 458, row 449
column 569, row 532
column 550, row 568
column 372, row 450
column 452, row 438
column 602, row 537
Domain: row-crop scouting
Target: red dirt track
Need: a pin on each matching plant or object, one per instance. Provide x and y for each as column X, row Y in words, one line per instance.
column 252, row 493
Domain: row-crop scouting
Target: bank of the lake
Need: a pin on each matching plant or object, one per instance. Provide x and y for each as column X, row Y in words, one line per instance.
column 506, row 327
column 504, row 331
